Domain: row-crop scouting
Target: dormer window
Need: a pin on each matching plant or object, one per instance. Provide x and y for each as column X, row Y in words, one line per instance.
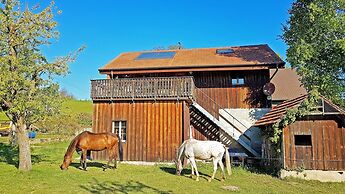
column 224, row 51
column 237, row 80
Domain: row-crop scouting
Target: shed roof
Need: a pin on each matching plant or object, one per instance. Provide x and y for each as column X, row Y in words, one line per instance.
column 242, row 56
column 287, row 83
column 280, row 110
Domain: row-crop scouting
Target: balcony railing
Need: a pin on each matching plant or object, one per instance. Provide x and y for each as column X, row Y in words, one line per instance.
column 155, row 88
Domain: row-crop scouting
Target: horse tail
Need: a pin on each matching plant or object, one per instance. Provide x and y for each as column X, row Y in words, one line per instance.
column 180, row 150
column 227, row 161
column 120, row 147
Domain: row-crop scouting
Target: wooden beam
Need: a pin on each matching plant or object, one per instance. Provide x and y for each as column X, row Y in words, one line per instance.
column 186, row 121
column 179, row 70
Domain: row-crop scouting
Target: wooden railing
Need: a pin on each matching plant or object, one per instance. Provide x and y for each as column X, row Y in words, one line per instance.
column 155, row 88
column 212, row 107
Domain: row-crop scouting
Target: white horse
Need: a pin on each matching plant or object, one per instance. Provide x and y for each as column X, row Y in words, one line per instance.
column 203, row 150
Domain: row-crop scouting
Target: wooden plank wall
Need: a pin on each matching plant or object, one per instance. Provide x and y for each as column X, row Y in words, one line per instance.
column 217, row 85
column 328, row 145
column 154, row 129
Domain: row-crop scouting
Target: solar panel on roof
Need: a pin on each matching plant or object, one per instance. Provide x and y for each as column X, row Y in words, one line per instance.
column 224, row 51
column 156, row 55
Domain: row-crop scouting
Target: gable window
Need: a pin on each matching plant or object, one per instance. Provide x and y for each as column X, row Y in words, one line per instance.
column 303, row 140
column 237, row 81
column 120, row 128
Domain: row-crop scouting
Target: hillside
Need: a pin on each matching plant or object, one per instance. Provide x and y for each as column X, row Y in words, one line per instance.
column 77, row 106
column 70, row 106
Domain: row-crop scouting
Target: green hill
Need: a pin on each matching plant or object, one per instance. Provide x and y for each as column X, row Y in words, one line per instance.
column 77, row 106
column 70, row 106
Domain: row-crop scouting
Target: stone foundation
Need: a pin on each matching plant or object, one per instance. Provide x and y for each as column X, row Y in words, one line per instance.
column 323, row 176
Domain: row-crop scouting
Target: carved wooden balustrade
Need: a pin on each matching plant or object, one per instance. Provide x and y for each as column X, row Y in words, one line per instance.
column 150, row 88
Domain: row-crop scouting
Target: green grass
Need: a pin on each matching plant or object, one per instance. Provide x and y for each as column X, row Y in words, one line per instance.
column 77, row 106
column 3, row 117
column 71, row 106
column 46, row 177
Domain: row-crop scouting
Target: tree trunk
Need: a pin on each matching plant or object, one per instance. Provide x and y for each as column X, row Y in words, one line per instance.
column 24, row 147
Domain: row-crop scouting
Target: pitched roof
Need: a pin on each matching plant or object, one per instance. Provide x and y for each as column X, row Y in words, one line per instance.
column 280, row 110
column 287, row 84
column 255, row 55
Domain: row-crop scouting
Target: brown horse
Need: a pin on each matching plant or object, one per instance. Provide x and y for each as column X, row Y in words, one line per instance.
column 87, row 141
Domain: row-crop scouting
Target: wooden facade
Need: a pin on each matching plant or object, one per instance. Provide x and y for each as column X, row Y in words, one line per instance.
column 156, row 109
column 155, row 94
column 154, row 129
column 218, row 86
column 325, row 151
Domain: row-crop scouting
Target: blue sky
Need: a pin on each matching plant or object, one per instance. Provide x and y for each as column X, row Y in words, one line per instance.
column 110, row 27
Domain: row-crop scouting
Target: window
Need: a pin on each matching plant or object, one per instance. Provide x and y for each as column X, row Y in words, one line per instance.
column 156, row 55
column 303, row 140
column 224, row 51
column 237, row 81
column 119, row 127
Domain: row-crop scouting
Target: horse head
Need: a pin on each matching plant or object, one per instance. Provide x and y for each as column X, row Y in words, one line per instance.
column 179, row 167
column 66, row 162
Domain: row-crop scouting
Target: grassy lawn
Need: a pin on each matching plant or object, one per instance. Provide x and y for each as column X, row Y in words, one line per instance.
column 77, row 106
column 46, row 177
column 72, row 106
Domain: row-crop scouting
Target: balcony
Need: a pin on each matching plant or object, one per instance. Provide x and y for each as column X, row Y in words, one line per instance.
column 155, row 88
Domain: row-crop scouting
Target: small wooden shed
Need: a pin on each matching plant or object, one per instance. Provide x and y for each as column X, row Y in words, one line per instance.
column 314, row 142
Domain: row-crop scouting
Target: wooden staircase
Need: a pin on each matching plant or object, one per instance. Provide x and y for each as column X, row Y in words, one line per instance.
column 217, row 123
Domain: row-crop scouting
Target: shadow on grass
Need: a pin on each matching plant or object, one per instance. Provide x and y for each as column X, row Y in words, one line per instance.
column 91, row 164
column 172, row 170
column 184, row 172
column 10, row 155
column 117, row 187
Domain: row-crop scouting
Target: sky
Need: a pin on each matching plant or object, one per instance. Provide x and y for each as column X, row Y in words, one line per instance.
column 110, row 27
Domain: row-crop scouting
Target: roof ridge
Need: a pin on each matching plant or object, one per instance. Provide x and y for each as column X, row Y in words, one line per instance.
column 218, row 47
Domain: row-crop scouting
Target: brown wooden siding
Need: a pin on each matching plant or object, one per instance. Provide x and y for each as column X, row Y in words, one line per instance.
column 154, row 129
column 217, row 85
column 327, row 151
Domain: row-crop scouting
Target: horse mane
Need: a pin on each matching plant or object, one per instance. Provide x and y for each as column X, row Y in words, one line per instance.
column 72, row 146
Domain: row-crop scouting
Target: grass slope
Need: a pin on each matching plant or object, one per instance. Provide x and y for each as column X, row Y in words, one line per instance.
column 77, row 106
column 46, row 177
column 72, row 106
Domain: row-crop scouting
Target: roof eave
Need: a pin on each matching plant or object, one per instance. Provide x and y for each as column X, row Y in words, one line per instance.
column 192, row 68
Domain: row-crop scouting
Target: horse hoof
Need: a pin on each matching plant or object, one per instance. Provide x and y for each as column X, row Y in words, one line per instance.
column 209, row 180
column 197, row 179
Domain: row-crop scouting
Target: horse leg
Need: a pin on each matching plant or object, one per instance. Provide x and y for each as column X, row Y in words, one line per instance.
column 192, row 168
column 84, row 154
column 222, row 167
column 115, row 160
column 110, row 156
column 193, row 163
column 81, row 161
column 215, row 163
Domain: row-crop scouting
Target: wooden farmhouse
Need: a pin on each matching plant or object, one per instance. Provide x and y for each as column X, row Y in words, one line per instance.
column 156, row 99
column 313, row 142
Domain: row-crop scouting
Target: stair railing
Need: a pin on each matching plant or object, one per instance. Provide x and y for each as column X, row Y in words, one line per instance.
column 213, row 108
